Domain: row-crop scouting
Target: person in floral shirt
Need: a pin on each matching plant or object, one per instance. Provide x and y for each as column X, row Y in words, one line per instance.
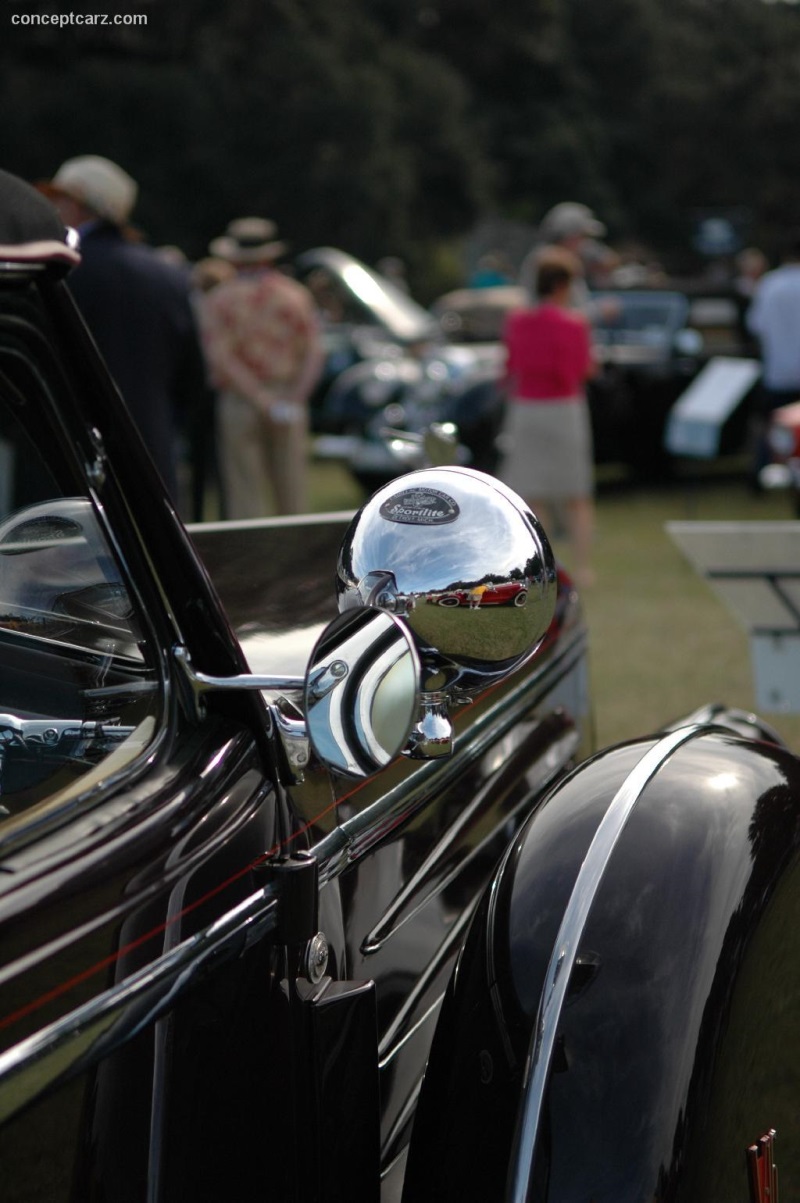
column 264, row 352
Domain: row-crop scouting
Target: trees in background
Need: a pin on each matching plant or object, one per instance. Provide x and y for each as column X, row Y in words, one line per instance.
column 392, row 126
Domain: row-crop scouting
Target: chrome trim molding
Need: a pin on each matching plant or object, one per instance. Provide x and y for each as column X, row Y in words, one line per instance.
column 404, row 1022
column 414, row 891
column 353, row 838
column 565, row 951
column 70, row 1045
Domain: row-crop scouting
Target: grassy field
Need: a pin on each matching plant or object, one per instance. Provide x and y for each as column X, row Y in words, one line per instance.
column 661, row 643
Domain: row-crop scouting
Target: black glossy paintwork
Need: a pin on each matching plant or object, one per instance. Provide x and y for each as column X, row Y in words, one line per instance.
column 406, row 881
column 276, row 580
column 93, row 897
column 212, row 1072
column 677, row 1045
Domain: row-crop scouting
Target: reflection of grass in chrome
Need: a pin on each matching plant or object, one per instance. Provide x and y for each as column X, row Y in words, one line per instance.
column 485, row 633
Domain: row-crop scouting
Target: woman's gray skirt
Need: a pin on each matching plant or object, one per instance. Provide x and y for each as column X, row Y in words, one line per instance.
column 547, row 449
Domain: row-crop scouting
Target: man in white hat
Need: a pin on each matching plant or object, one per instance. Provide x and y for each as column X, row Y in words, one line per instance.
column 572, row 226
column 90, row 188
column 263, row 345
column 570, row 220
column 136, row 305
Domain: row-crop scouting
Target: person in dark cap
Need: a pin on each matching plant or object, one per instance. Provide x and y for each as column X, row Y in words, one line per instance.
column 136, row 305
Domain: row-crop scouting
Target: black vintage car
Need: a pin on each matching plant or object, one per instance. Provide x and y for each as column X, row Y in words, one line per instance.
column 391, row 368
column 309, row 887
column 650, row 344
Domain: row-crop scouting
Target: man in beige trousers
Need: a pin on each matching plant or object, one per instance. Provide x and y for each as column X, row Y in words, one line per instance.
column 262, row 342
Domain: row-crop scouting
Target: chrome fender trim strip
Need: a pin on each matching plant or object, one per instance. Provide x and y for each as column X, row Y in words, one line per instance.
column 72, row 1044
column 565, row 951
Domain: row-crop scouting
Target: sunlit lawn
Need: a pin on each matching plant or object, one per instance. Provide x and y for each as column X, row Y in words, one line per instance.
column 333, row 488
column 661, row 642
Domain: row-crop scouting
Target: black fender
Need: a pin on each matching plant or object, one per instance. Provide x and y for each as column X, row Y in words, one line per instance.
column 622, row 1022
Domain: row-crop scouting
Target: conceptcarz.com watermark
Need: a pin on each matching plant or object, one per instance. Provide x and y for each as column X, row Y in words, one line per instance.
column 72, row 18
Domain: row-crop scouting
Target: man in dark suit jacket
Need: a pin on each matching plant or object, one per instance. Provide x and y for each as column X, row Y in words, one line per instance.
column 136, row 305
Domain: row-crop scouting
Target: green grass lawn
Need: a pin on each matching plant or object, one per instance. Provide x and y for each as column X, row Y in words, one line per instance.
column 333, row 488
column 661, row 644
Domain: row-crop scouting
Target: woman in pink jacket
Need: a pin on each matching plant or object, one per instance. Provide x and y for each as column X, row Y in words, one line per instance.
column 548, row 438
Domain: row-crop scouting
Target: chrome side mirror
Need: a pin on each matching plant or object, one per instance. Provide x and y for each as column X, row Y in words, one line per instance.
column 467, row 566
column 362, row 692
column 446, row 583
column 360, row 695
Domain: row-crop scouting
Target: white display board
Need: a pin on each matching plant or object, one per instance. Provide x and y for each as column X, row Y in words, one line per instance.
column 754, row 568
column 694, row 424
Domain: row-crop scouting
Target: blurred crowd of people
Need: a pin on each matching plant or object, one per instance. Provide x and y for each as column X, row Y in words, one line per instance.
column 217, row 359
column 574, row 226
column 548, row 452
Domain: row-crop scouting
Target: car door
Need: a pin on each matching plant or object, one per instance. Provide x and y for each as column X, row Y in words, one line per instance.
column 134, row 978
column 404, row 856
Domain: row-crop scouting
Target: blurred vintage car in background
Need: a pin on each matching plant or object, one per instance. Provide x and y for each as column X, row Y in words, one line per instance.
column 651, row 344
column 394, row 366
column 391, row 366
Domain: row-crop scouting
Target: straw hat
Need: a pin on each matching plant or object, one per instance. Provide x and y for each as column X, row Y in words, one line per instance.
column 248, row 240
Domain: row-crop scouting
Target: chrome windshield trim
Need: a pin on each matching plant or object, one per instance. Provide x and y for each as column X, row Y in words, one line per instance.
column 565, row 950
column 71, row 1044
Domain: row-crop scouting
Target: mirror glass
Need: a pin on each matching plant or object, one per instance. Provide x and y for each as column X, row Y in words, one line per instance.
column 362, row 692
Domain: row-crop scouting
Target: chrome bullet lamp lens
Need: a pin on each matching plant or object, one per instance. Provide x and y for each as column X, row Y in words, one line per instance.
column 466, row 565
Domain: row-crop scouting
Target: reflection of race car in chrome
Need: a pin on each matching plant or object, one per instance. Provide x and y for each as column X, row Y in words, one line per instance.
column 511, row 593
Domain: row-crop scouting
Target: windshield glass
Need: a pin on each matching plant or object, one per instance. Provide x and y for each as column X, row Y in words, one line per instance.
column 79, row 689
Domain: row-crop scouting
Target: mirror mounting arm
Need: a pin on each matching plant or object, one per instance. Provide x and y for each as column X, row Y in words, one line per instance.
column 291, row 728
column 292, row 731
column 203, row 682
